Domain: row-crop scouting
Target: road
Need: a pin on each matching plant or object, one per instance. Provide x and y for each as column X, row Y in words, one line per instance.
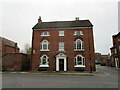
column 109, row 80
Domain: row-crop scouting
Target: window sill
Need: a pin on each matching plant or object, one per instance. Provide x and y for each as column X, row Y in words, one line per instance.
column 79, row 50
column 45, row 35
column 62, row 35
column 44, row 66
column 61, row 50
column 45, row 50
column 79, row 66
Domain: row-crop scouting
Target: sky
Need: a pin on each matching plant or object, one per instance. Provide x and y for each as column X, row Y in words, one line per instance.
column 19, row 16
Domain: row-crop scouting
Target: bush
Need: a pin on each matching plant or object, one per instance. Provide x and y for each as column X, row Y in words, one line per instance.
column 103, row 64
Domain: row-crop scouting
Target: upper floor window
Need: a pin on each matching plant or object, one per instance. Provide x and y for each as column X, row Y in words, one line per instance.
column 61, row 33
column 44, row 45
column 45, row 34
column 79, row 61
column 78, row 33
column 78, row 45
column 61, row 46
column 44, row 61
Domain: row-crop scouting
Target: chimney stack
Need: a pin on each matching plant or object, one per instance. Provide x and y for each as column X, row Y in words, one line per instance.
column 77, row 18
column 39, row 20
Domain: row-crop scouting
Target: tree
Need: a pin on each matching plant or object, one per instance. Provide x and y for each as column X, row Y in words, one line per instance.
column 28, row 49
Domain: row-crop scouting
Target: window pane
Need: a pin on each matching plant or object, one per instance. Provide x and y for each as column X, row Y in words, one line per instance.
column 44, row 60
column 79, row 60
column 45, row 33
column 61, row 33
column 75, row 62
column 78, row 44
column 75, row 45
column 44, row 46
column 78, row 33
column 61, row 45
column 83, row 62
column 82, row 45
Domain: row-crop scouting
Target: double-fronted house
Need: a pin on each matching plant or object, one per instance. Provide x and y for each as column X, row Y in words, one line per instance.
column 63, row 46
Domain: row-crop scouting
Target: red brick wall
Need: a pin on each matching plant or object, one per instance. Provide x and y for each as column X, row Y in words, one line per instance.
column 68, row 40
column 16, row 61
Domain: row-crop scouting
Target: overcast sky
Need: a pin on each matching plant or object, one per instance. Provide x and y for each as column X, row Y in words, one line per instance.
column 19, row 16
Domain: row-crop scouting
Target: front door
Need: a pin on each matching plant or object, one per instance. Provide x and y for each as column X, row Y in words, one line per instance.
column 61, row 64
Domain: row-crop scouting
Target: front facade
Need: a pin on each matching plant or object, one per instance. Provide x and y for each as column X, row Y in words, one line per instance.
column 115, row 51
column 63, row 46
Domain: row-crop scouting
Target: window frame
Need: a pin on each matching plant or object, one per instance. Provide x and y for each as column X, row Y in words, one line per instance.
column 62, row 47
column 82, row 61
column 41, row 61
column 76, row 45
column 61, row 34
column 42, row 45
column 78, row 34
column 43, row 33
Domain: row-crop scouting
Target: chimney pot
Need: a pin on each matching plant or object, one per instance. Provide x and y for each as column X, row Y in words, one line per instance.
column 77, row 18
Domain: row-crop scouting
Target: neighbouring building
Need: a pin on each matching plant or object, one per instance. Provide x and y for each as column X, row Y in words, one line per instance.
column 63, row 46
column 97, row 58
column 105, row 59
column 115, row 51
column 7, row 46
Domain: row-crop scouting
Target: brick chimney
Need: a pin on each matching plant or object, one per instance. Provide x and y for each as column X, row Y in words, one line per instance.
column 39, row 20
column 77, row 19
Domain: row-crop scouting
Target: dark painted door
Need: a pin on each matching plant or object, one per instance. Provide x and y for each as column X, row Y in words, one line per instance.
column 61, row 64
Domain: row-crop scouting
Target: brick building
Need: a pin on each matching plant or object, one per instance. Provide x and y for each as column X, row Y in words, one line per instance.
column 105, row 59
column 63, row 46
column 7, row 46
column 115, row 51
column 97, row 58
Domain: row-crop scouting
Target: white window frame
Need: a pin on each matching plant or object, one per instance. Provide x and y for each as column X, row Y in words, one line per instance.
column 41, row 61
column 45, row 33
column 61, row 47
column 76, row 45
column 61, row 33
column 42, row 45
column 76, row 33
column 76, row 61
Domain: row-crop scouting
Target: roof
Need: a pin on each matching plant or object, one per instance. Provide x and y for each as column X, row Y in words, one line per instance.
column 8, row 42
column 117, row 35
column 63, row 24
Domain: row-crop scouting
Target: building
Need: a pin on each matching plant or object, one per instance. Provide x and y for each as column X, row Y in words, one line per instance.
column 115, row 51
column 63, row 46
column 97, row 58
column 7, row 46
column 105, row 59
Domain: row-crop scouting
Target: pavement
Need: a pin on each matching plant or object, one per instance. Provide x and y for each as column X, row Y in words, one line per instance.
column 98, row 72
column 68, row 73
column 104, row 77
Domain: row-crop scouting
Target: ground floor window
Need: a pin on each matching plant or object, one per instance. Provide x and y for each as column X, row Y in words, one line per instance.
column 44, row 61
column 79, row 61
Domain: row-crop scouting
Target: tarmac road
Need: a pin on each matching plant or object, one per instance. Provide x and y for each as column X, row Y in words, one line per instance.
column 107, row 80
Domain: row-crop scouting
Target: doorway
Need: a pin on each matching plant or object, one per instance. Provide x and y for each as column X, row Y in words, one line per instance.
column 61, row 64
